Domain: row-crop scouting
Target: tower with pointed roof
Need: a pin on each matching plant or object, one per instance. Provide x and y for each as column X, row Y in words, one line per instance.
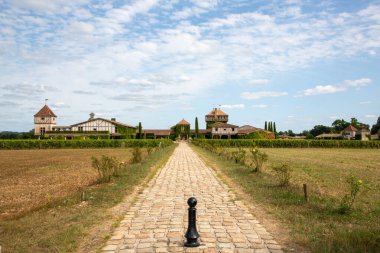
column 215, row 116
column 44, row 120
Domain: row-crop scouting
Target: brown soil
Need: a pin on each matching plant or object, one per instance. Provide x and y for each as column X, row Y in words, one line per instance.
column 30, row 179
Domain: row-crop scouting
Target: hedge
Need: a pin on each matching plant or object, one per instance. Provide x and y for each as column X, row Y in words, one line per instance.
column 288, row 143
column 50, row 144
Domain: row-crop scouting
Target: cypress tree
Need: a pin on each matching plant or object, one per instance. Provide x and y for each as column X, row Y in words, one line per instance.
column 196, row 127
column 274, row 127
column 266, row 125
column 140, row 131
column 270, row 126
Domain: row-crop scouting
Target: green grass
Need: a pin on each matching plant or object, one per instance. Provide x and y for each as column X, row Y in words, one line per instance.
column 60, row 226
column 317, row 224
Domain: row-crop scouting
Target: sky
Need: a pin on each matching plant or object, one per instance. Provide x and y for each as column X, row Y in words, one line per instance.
column 297, row 63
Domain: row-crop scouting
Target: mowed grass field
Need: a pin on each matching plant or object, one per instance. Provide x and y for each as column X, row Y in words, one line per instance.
column 41, row 207
column 316, row 225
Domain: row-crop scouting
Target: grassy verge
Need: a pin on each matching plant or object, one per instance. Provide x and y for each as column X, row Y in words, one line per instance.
column 317, row 224
column 60, row 226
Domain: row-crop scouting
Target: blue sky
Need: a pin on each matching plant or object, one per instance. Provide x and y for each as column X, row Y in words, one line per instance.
column 298, row 63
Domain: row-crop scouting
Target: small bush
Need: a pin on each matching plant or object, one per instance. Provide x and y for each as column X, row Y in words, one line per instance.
column 348, row 200
column 259, row 158
column 283, row 173
column 239, row 155
column 106, row 167
column 136, row 155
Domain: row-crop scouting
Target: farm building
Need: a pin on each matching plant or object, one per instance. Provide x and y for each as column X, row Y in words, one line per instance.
column 45, row 125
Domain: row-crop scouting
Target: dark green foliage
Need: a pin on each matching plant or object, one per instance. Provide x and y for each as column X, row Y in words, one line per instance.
column 17, row 135
column 339, row 125
column 196, row 127
column 288, row 143
column 376, row 127
column 140, row 131
column 47, row 144
column 274, row 127
column 266, row 125
column 320, row 129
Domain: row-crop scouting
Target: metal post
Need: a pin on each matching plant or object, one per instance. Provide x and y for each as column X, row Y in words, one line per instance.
column 192, row 233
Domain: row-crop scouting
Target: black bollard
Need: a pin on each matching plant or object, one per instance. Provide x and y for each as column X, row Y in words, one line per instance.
column 192, row 233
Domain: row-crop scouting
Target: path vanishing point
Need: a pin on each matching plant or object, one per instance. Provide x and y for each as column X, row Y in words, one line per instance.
column 157, row 221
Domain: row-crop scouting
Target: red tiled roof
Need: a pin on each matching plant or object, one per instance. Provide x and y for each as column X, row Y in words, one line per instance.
column 350, row 128
column 328, row 136
column 217, row 112
column 183, row 122
column 45, row 112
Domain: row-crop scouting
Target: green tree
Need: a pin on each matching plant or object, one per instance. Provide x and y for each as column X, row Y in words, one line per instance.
column 320, row 129
column 274, row 127
column 140, row 131
column 376, row 127
column 196, row 127
column 339, row 125
column 266, row 125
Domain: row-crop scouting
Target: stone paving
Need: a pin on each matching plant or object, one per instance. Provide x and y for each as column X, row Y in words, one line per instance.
column 157, row 221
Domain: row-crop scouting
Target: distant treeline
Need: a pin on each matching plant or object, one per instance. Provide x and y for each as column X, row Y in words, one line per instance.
column 17, row 135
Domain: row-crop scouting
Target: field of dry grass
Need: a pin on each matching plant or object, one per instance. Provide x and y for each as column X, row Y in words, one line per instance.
column 326, row 170
column 29, row 179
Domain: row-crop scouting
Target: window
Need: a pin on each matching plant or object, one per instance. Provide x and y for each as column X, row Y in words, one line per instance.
column 80, row 129
column 94, row 129
column 42, row 130
column 233, row 129
column 42, row 118
column 115, row 129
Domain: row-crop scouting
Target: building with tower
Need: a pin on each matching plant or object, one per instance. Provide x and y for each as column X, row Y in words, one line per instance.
column 215, row 116
column 44, row 120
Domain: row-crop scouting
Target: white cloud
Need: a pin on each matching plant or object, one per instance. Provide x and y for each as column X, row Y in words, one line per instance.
column 236, row 106
column 370, row 116
column 328, row 89
column 259, row 81
column 261, row 94
column 80, row 28
column 259, row 106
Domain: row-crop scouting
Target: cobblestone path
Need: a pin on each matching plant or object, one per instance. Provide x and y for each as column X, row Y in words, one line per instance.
column 157, row 221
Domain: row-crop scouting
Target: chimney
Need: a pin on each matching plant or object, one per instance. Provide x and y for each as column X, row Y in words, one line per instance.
column 92, row 115
column 113, row 119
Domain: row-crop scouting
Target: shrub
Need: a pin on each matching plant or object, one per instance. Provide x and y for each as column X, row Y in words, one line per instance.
column 283, row 173
column 258, row 159
column 239, row 155
column 106, row 167
column 136, row 155
column 348, row 200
